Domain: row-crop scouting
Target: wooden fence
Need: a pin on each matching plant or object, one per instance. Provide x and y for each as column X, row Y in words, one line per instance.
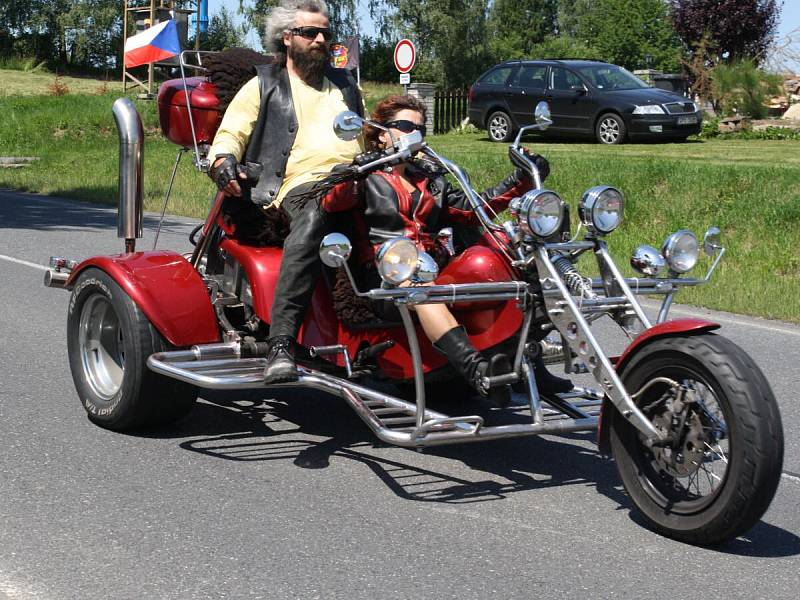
column 449, row 109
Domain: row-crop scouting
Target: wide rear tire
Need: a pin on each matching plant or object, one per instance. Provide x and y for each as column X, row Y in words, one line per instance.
column 721, row 479
column 109, row 340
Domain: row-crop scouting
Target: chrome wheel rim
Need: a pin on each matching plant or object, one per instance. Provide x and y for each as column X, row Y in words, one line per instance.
column 609, row 131
column 498, row 128
column 102, row 348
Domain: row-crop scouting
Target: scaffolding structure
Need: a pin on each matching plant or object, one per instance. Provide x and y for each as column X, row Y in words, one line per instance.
column 146, row 13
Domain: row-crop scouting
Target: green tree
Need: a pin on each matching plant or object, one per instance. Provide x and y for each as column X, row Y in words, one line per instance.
column 223, row 33
column 450, row 36
column 515, row 28
column 632, row 33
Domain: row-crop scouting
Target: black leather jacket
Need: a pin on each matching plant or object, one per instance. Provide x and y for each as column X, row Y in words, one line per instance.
column 276, row 128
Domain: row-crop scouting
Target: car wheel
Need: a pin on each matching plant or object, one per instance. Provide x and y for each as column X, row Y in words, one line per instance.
column 500, row 127
column 610, row 129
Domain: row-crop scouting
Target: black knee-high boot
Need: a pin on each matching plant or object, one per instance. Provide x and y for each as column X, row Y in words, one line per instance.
column 473, row 366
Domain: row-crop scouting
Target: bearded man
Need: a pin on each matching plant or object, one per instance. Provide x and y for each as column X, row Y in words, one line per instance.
column 282, row 120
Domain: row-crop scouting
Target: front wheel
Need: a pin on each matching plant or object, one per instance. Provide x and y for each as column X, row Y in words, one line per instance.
column 109, row 340
column 718, row 476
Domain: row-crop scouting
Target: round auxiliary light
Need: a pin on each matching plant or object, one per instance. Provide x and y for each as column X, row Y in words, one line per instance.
column 648, row 261
column 541, row 213
column 602, row 208
column 681, row 251
column 397, row 260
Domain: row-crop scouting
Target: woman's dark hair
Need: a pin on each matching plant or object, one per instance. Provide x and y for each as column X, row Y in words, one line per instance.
column 385, row 111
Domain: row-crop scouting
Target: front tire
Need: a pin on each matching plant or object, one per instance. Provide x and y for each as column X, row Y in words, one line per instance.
column 500, row 127
column 109, row 340
column 610, row 129
column 720, row 479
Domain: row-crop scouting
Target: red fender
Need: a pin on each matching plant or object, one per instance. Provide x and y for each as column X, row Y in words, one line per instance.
column 669, row 328
column 167, row 289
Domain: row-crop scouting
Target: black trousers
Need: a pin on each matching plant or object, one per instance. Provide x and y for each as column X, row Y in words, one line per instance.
column 300, row 265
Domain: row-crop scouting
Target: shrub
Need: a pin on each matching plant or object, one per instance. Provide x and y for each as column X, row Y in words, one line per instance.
column 58, row 87
column 710, row 127
column 741, row 87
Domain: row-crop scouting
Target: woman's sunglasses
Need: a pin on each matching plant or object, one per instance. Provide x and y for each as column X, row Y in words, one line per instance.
column 406, row 126
column 311, row 33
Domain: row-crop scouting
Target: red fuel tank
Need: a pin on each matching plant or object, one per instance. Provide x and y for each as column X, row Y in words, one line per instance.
column 174, row 116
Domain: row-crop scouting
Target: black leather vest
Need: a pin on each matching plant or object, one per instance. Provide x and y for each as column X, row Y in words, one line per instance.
column 276, row 128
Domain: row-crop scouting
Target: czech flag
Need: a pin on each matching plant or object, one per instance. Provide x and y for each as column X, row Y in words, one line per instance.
column 153, row 44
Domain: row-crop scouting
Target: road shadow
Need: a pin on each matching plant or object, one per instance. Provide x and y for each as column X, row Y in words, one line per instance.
column 313, row 428
column 31, row 211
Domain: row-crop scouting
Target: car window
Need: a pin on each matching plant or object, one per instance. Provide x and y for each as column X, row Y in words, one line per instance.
column 564, row 79
column 531, row 76
column 611, row 77
column 497, row 76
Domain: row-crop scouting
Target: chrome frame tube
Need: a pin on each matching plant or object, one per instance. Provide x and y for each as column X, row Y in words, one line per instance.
column 602, row 250
column 603, row 371
column 228, row 372
column 416, row 360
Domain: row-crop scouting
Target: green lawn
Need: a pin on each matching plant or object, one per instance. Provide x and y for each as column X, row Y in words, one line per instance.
column 750, row 189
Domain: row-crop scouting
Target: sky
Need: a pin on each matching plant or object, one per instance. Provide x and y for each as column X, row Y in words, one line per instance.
column 790, row 18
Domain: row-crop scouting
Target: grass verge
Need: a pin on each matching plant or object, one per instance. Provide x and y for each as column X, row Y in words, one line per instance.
column 749, row 188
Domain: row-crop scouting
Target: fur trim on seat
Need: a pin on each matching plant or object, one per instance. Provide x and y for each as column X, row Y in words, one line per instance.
column 351, row 309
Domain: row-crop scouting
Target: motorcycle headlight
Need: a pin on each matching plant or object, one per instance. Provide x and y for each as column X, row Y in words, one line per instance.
column 541, row 213
column 397, row 260
column 602, row 208
column 681, row 251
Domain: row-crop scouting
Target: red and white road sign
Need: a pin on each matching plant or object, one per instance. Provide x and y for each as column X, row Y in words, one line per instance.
column 405, row 55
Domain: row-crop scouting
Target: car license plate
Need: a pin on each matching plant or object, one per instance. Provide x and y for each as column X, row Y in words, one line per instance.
column 687, row 120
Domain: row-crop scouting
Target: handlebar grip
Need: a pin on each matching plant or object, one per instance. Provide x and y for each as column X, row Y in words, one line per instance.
column 368, row 157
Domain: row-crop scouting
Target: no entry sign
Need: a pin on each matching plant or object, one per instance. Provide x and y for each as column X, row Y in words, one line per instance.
column 404, row 56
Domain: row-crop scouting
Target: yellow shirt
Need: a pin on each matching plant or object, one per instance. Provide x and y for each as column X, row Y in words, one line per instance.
column 316, row 148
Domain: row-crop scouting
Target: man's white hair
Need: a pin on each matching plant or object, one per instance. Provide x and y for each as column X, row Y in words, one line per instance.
column 282, row 18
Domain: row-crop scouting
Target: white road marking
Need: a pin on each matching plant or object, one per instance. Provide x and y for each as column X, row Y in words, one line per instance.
column 790, row 477
column 23, row 262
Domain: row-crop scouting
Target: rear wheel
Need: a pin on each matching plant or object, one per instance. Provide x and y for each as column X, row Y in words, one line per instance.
column 610, row 129
column 500, row 127
column 109, row 340
column 718, row 477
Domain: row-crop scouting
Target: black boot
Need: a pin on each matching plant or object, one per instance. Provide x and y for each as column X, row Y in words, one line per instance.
column 546, row 382
column 280, row 360
column 473, row 366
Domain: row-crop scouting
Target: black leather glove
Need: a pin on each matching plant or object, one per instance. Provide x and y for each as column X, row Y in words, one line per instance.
column 224, row 172
column 539, row 160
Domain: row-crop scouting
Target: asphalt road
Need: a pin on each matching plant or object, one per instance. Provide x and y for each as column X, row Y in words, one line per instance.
column 290, row 496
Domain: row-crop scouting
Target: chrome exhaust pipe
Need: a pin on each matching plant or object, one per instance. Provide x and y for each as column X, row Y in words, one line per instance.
column 55, row 279
column 131, row 174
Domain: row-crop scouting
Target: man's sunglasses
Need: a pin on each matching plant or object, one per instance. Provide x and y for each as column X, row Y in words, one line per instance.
column 406, row 126
column 311, row 33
